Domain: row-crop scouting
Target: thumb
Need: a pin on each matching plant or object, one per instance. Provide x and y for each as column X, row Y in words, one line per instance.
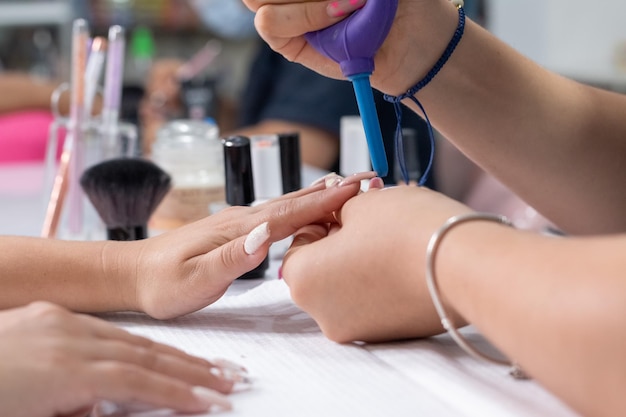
column 301, row 240
column 241, row 255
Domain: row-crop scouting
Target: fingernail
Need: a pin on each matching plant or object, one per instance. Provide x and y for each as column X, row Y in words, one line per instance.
column 357, row 178
column 256, row 238
column 232, row 372
column 212, row 400
column 323, row 180
column 376, row 183
column 332, row 180
column 340, row 8
column 228, row 364
column 318, row 181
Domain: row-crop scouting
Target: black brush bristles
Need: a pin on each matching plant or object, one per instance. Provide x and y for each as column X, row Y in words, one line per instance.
column 125, row 192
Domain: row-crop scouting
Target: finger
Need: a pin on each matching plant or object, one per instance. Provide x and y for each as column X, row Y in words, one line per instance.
column 288, row 216
column 234, row 218
column 104, row 330
column 181, row 367
column 124, row 383
column 294, row 194
column 243, row 254
column 83, row 412
column 376, row 184
column 288, row 213
column 301, row 239
column 217, row 269
column 307, row 235
column 294, row 20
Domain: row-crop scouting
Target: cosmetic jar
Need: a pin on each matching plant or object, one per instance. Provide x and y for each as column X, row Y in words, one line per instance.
column 191, row 152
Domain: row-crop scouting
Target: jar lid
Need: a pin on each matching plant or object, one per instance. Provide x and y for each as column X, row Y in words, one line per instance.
column 184, row 133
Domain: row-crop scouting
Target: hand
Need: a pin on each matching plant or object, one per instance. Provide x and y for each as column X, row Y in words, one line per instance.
column 363, row 279
column 161, row 99
column 189, row 268
column 58, row 363
column 417, row 38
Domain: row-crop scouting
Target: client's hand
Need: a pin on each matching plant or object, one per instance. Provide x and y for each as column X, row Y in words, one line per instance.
column 59, row 363
column 189, row 268
column 363, row 279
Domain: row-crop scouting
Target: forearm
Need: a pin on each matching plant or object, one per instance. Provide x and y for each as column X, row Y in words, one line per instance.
column 541, row 134
column 22, row 92
column 82, row 276
column 550, row 304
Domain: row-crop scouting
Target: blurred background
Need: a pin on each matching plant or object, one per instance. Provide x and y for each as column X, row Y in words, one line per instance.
column 35, row 35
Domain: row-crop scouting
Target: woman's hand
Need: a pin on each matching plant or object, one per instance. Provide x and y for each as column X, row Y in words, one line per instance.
column 161, row 100
column 191, row 267
column 363, row 279
column 418, row 37
column 59, row 363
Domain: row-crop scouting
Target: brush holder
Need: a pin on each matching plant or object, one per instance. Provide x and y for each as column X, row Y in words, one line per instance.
column 79, row 220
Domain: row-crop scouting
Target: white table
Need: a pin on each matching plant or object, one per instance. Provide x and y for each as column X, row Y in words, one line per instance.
column 295, row 370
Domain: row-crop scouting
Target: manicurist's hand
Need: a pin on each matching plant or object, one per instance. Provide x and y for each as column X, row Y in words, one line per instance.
column 189, row 268
column 414, row 44
column 363, row 279
column 57, row 363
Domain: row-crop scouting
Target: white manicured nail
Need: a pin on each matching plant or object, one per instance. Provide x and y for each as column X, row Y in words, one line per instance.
column 228, row 364
column 232, row 372
column 213, row 400
column 332, row 180
column 256, row 238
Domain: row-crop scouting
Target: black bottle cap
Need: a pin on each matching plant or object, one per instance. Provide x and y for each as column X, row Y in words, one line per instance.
column 290, row 163
column 238, row 171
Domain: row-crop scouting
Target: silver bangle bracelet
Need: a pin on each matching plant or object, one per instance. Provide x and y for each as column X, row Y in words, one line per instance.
column 431, row 253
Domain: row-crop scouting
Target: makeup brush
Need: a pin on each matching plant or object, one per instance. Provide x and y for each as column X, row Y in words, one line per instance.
column 125, row 192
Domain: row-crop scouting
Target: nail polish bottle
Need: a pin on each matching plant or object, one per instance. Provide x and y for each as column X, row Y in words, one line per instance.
column 240, row 185
column 266, row 172
column 410, row 153
column 290, row 161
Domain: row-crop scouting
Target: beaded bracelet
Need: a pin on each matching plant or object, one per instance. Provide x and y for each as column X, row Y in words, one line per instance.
column 431, row 252
column 410, row 94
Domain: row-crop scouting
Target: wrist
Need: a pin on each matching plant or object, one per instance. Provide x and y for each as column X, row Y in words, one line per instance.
column 463, row 263
column 469, row 298
column 430, row 37
column 119, row 265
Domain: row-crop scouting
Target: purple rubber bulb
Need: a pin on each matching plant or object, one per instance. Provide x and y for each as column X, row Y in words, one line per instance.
column 353, row 43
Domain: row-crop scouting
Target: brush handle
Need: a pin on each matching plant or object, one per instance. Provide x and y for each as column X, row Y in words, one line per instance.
column 57, row 196
column 114, row 70
column 80, row 41
column 112, row 95
column 127, row 233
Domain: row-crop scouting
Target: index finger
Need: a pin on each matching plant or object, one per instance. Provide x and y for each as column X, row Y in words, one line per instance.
column 286, row 216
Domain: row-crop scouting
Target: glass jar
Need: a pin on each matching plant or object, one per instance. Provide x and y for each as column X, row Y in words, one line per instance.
column 191, row 152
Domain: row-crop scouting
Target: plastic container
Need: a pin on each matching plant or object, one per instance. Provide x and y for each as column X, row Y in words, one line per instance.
column 191, row 152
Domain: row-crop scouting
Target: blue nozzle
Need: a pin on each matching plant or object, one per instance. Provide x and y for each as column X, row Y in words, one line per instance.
column 367, row 108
